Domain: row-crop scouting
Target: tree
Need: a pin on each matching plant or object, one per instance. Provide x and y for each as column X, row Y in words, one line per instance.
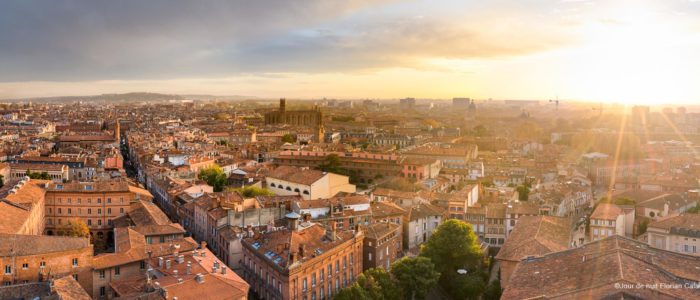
column 289, row 138
column 400, row 184
column 74, row 227
column 214, row 176
column 388, row 287
column 454, row 246
column 416, row 276
column 493, row 290
column 643, row 227
column 252, row 191
column 353, row 292
column 332, row 164
column 523, row 192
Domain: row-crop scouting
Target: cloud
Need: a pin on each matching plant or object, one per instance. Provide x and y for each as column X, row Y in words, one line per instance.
column 76, row 40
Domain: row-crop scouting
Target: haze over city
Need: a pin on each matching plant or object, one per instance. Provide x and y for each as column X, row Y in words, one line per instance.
column 613, row 51
column 349, row 150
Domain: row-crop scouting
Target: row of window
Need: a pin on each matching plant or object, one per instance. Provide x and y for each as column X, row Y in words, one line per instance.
column 59, row 221
column 42, row 264
column 89, row 200
column 281, row 187
column 69, row 211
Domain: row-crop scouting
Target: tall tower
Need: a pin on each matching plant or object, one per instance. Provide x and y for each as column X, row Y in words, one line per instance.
column 283, row 105
column 117, row 132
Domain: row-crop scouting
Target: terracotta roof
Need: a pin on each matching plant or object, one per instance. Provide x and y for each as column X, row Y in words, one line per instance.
column 593, row 270
column 278, row 245
column 68, row 289
column 536, row 236
column 684, row 221
column 379, row 230
column 147, row 219
column 424, row 210
column 13, row 217
column 606, row 211
column 296, row 175
column 130, row 246
column 385, row 209
column 19, row 244
column 36, row 167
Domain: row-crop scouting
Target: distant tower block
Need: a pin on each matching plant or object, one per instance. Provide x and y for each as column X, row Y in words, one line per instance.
column 283, row 105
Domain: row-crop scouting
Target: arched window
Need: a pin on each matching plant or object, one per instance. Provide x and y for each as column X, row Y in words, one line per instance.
column 306, row 192
column 289, row 188
column 296, row 190
column 272, row 185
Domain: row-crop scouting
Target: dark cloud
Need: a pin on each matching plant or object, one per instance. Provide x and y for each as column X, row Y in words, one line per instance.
column 162, row 39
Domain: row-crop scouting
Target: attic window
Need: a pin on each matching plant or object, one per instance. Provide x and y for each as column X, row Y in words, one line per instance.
column 306, row 192
column 272, row 185
column 256, row 245
column 88, row 187
column 289, row 189
column 296, row 190
column 59, row 186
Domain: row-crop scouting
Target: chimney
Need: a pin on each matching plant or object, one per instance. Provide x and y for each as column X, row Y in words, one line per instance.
column 307, row 217
column 293, row 257
column 223, row 271
column 167, row 264
column 164, row 292
column 203, row 253
column 160, row 262
column 292, row 220
column 331, row 232
column 199, row 277
column 203, row 245
column 213, row 269
column 180, row 259
column 176, row 249
column 188, row 270
column 302, row 251
column 175, row 273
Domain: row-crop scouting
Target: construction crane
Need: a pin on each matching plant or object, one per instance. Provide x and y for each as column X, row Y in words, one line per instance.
column 556, row 102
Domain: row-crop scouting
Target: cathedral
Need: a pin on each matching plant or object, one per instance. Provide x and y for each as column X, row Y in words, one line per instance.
column 311, row 118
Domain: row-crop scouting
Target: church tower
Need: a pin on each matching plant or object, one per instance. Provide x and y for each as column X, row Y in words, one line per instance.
column 117, row 133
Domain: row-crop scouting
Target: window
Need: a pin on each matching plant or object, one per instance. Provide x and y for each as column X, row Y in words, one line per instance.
column 89, row 222
column 25, row 266
column 322, row 275
column 143, row 265
column 75, row 277
column 75, row 262
column 351, row 259
column 42, row 264
column 337, row 266
column 370, row 256
column 303, row 285
column 121, row 210
column 117, row 271
column 109, row 211
column 102, row 291
column 109, row 200
column 330, row 270
column 89, row 211
column 8, row 269
column 99, row 222
column 313, row 279
column 102, row 274
column 99, row 211
column 69, row 211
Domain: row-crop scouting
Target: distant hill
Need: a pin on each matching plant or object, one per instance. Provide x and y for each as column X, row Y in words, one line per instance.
column 130, row 97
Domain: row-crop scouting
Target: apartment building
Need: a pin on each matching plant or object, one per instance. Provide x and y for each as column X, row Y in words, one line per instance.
column 303, row 261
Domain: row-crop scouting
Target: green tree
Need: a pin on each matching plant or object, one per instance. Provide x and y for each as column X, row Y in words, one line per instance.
column 523, row 192
column 252, row 191
column 353, row 292
column 493, row 290
column 416, row 276
column 214, row 176
column 387, row 285
column 694, row 210
column 332, row 164
column 289, row 138
column 454, row 246
column 643, row 226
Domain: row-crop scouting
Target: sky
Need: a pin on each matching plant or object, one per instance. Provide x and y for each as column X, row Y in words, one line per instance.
column 603, row 51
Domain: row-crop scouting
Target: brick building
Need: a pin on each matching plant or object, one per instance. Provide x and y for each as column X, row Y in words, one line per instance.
column 382, row 246
column 303, row 261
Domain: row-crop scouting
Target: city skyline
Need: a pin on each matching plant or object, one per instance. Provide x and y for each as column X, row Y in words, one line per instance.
column 642, row 52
